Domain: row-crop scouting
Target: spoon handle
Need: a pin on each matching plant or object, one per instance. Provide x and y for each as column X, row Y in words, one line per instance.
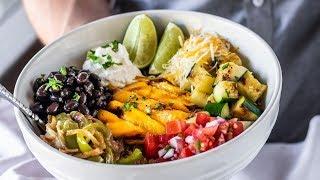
column 25, row 110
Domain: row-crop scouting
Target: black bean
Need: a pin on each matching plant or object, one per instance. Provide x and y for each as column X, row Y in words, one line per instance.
column 41, row 93
column 95, row 79
column 83, row 98
column 37, row 107
column 60, row 77
column 65, row 92
column 78, row 89
column 70, row 105
column 108, row 97
column 82, row 77
column 54, row 90
column 101, row 102
column 51, row 75
column 94, row 112
column 71, row 81
column 88, row 88
column 97, row 93
column 53, row 108
column 101, row 88
column 83, row 109
column 38, row 82
column 75, row 69
column 55, row 98
column 91, row 103
column 71, row 72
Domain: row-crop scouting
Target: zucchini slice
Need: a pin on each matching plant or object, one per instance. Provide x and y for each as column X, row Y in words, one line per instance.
column 250, row 87
column 252, row 107
column 218, row 109
column 225, row 91
column 230, row 72
column 245, row 110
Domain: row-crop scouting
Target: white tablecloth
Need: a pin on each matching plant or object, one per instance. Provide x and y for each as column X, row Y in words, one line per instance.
column 276, row 161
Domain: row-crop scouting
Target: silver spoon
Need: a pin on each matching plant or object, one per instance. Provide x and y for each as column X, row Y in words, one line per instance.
column 37, row 124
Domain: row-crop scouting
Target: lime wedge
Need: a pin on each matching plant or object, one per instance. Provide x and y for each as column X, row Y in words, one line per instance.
column 140, row 40
column 168, row 47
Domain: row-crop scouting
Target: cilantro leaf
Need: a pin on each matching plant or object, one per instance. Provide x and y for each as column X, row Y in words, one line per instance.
column 63, row 70
column 76, row 96
column 129, row 105
column 53, row 83
column 92, row 56
column 109, row 62
column 114, row 45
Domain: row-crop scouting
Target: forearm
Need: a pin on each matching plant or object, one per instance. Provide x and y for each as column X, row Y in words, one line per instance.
column 53, row 18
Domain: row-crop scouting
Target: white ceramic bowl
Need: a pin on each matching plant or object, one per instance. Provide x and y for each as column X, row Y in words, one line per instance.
column 219, row 163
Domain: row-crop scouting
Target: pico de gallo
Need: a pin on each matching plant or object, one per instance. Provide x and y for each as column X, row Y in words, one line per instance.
column 184, row 139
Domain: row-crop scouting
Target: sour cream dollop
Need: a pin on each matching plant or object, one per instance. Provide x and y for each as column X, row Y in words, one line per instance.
column 120, row 73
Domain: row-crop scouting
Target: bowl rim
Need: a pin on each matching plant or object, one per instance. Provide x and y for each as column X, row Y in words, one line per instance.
column 275, row 95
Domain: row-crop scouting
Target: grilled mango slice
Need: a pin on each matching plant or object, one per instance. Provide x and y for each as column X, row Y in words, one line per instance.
column 143, row 103
column 107, row 117
column 165, row 116
column 142, row 89
column 119, row 127
column 139, row 118
column 125, row 128
column 168, row 87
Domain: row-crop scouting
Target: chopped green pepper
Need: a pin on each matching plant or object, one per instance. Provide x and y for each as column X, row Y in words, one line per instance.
column 132, row 158
column 82, row 143
column 71, row 141
column 99, row 126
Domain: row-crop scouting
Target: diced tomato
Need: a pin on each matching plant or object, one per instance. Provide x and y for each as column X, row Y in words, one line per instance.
column 151, row 145
column 185, row 152
column 189, row 130
column 223, row 128
column 200, row 135
column 210, row 131
column 229, row 135
column 214, row 144
column 206, row 145
column 164, row 138
column 202, row 118
column 175, row 127
column 237, row 128
column 221, row 139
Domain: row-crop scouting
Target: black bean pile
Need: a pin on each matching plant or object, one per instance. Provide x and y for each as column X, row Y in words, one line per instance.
column 69, row 89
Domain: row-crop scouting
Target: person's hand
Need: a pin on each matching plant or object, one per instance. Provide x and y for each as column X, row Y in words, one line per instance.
column 52, row 19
